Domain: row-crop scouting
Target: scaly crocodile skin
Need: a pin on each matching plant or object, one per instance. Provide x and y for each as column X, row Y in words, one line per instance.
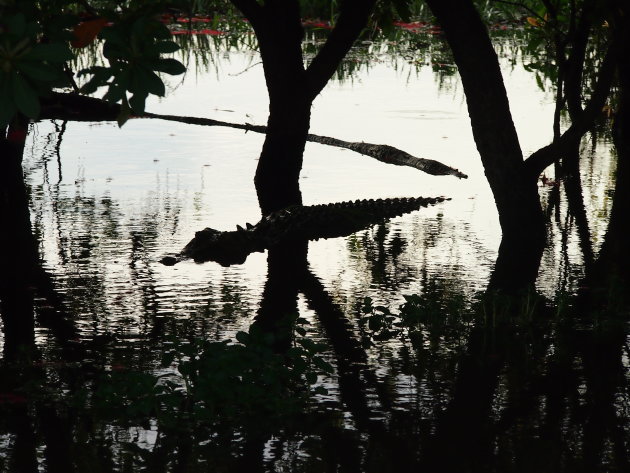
column 294, row 223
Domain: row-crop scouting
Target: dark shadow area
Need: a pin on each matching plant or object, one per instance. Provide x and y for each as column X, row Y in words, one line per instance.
column 20, row 248
column 517, row 265
column 22, row 277
column 497, row 381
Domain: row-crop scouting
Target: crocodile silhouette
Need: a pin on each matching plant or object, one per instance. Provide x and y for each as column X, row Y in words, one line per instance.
column 295, row 223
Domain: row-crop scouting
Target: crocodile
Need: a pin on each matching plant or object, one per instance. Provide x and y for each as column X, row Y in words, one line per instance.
column 295, row 223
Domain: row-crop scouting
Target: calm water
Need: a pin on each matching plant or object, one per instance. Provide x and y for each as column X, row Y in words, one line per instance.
column 108, row 203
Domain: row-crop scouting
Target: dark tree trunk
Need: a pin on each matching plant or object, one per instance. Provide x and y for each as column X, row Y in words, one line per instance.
column 21, row 271
column 466, row 425
column 285, row 265
column 613, row 263
column 575, row 62
column 515, row 193
column 23, row 456
column 18, row 245
column 280, row 162
column 575, row 199
column 279, row 32
column 292, row 88
column 279, row 303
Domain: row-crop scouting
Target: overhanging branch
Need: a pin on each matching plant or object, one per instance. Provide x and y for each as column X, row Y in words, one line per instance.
column 353, row 17
column 547, row 155
column 384, row 153
column 391, row 155
column 74, row 107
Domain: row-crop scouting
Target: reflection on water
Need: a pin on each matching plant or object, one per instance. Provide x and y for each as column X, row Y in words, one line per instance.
column 119, row 199
column 106, row 204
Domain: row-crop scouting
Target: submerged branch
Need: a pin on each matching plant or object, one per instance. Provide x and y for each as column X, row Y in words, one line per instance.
column 385, row 153
column 74, row 107
column 391, row 155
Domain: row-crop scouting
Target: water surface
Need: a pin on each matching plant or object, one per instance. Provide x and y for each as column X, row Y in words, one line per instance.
column 108, row 203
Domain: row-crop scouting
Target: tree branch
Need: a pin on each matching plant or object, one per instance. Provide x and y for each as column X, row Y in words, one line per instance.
column 73, row 107
column 547, row 155
column 391, row 155
column 353, row 17
column 384, row 153
column 251, row 9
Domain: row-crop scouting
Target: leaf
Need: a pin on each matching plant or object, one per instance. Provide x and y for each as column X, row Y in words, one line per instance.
column 16, row 24
column 123, row 79
column 307, row 344
column 533, row 21
column 38, row 70
column 114, row 93
column 25, row 97
column 114, row 50
column 85, row 32
column 322, row 365
column 242, row 337
column 19, row 49
column 165, row 47
column 152, row 83
column 160, row 30
column 90, row 86
column 115, row 36
column 61, row 22
column 137, row 102
column 139, row 27
column 53, row 52
column 100, row 76
column 534, row 43
column 169, row 66
column 123, row 116
column 32, row 29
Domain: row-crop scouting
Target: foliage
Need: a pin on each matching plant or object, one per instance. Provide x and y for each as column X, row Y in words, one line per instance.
column 35, row 40
column 552, row 29
column 218, row 381
column 30, row 67
column 437, row 313
column 134, row 48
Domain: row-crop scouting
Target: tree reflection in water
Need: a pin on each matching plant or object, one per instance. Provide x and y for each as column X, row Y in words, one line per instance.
column 509, row 384
column 448, row 382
